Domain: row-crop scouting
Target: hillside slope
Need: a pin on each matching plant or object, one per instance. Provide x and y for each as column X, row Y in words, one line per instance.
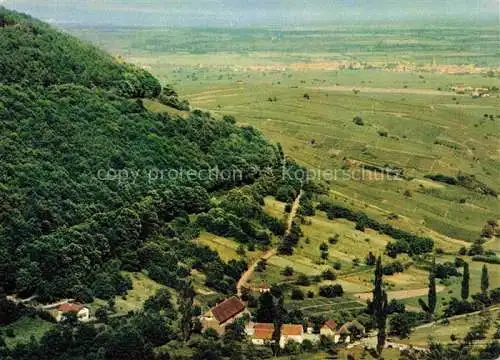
column 90, row 178
column 34, row 54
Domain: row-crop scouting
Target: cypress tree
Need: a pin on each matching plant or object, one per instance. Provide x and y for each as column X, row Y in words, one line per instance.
column 380, row 306
column 431, row 296
column 465, row 282
column 280, row 314
column 266, row 312
column 186, row 300
column 430, row 307
column 485, row 281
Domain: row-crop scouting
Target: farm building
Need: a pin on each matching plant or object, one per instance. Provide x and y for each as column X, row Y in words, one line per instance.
column 329, row 328
column 263, row 287
column 222, row 314
column 82, row 313
column 262, row 333
column 349, row 331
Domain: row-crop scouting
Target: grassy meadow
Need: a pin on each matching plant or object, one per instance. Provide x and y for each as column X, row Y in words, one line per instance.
column 25, row 329
column 457, row 326
column 142, row 289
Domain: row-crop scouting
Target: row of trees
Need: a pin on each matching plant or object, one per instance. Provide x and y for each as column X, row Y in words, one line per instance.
column 404, row 242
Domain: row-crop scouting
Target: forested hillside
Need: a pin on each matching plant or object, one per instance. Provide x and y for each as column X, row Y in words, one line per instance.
column 85, row 187
column 33, row 54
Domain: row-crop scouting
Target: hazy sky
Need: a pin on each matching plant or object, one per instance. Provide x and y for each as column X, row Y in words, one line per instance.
column 249, row 12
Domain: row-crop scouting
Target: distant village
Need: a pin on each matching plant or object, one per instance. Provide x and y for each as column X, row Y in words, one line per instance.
column 474, row 92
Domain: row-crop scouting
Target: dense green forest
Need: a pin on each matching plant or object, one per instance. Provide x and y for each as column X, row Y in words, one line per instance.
column 92, row 183
column 33, row 54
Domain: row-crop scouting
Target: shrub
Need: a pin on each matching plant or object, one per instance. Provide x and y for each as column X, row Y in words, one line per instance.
column 328, row 275
column 297, row 294
column 400, row 325
column 358, row 120
column 334, row 239
column 445, row 270
column 288, row 271
column 303, row 280
column 370, row 259
column 261, row 265
column 392, row 268
column 331, row 291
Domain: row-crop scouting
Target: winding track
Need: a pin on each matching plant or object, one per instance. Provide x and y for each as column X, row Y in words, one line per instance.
column 247, row 275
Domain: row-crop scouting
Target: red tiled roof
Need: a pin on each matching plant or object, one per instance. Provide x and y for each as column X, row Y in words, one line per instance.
column 331, row 324
column 227, row 309
column 292, row 330
column 263, row 331
column 70, row 308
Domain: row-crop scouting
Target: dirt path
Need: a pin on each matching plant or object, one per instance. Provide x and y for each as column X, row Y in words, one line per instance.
column 332, row 304
column 247, row 275
column 456, row 317
column 371, row 342
column 400, row 294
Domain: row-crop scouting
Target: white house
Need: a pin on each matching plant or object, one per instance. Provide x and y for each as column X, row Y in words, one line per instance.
column 82, row 312
column 329, row 328
column 262, row 333
column 291, row 332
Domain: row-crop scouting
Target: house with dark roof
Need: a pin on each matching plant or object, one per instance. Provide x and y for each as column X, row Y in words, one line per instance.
column 223, row 314
column 350, row 330
column 329, row 328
